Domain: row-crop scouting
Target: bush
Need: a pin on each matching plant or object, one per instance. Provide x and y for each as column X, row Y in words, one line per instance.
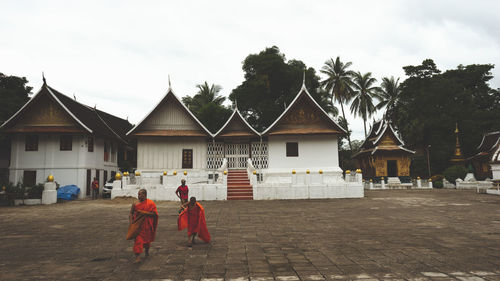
column 455, row 172
column 36, row 191
column 437, row 178
column 437, row 184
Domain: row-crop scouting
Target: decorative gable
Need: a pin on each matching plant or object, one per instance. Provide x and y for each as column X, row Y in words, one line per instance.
column 304, row 116
column 170, row 118
column 236, row 126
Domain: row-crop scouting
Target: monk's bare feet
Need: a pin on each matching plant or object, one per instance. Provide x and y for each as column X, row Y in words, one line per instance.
column 137, row 259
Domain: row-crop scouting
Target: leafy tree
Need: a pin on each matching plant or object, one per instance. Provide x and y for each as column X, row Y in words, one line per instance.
column 14, row 93
column 389, row 94
column 208, row 106
column 338, row 83
column 363, row 91
column 271, row 83
column 431, row 103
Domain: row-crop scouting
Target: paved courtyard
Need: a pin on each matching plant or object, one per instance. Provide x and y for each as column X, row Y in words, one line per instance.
column 413, row 235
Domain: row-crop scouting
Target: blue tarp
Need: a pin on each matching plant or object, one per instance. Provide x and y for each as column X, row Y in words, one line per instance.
column 68, row 192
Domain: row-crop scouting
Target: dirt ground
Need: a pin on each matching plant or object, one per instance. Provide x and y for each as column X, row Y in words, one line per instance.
column 393, row 234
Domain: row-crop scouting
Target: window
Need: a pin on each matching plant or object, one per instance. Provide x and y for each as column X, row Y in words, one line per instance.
column 187, row 158
column 106, row 152
column 292, row 149
column 66, row 143
column 90, row 144
column 31, row 143
column 29, row 178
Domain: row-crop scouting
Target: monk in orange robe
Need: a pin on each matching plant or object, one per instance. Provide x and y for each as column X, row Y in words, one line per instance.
column 192, row 217
column 143, row 223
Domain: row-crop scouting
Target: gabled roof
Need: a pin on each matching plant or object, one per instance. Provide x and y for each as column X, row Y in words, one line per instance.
column 136, row 130
column 89, row 119
column 304, row 97
column 237, row 120
column 489, row 146
column 373, row 143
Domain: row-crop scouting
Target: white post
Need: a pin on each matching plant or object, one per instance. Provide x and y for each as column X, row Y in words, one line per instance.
column 49, row 194
column 359, row 177
column 419, row 182
column 382, row 181
column 308, row 178
column 430, row 183
column 347, row 176
column 371, row 184
column 294, row 178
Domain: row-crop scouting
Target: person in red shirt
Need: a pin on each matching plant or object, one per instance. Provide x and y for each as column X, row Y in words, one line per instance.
column 192, row 217
column 182, row 192
column 95, row 188
column 143, row 219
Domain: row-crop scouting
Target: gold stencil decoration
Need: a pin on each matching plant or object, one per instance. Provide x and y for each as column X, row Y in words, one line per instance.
column 303, row 115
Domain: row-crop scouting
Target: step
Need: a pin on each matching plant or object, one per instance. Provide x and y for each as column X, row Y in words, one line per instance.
column 240, row 198
column 238, row 183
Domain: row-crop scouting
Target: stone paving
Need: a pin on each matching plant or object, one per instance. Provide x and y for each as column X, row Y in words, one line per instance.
column 394, row 234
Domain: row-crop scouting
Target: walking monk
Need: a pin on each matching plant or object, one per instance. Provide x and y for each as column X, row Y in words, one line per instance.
column 193, row 218
column 143, row 219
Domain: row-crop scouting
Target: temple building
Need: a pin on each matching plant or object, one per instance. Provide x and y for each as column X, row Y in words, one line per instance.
column 295, row 157
column 53, row 134
column 487, row 154
column 383, row 154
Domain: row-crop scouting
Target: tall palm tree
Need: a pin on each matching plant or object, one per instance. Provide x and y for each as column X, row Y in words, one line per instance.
column 389, row 95
column 338, row 81
column 363, row 93
column 206, row 94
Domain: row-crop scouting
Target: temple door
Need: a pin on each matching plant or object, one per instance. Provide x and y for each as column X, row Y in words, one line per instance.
column 237, row 155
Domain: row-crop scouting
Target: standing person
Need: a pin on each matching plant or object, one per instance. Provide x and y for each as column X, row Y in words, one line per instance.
column 182, row 192
column 95, row 188
column 193, row 218
column 143, row 219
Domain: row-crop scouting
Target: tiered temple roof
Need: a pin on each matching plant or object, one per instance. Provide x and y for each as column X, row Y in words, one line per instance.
column 382, row 137
column 50, row 111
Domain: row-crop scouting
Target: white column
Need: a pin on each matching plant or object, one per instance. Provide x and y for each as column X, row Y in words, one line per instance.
column 49, row 194
column 382, row 181
column 430, row 183
column 419, row 183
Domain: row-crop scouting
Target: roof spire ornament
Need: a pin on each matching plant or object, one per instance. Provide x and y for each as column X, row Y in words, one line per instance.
column 169, row 84
column 43, row 79
column 304, row 79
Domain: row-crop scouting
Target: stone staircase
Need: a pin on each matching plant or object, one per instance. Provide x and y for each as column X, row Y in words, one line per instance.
column 238, row 185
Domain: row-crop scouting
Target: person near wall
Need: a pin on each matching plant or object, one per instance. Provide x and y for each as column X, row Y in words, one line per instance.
column 192, row 217
column 182, row 192
column 95, row 188
column 143, row 219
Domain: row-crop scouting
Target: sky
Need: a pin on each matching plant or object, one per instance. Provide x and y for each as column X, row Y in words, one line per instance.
column 118, row 55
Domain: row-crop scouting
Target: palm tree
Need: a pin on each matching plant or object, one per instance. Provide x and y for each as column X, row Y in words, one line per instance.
column 206, row 94
column 338, row 81
column 363, row 93
column 389, row 95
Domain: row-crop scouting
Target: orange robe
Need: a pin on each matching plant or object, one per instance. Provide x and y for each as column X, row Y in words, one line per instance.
column 194, row 220
column 143, row 228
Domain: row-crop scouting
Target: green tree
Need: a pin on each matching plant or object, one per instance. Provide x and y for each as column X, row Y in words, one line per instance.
column 207, row 106
column 14, row 93
column 364, row 91
column 338, row 83
column 432, row 102
column 389, row 94
column 271, row 83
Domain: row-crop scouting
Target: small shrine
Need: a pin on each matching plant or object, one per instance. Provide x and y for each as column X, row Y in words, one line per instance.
column 482, row 160
column 383, row 153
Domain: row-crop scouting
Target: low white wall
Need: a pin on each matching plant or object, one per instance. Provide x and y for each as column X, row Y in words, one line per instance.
column 205, row 192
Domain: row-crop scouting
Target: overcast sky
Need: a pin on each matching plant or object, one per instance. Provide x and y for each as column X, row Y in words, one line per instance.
column 118, row 54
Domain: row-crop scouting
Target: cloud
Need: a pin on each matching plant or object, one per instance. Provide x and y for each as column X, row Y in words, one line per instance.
column 119, row 54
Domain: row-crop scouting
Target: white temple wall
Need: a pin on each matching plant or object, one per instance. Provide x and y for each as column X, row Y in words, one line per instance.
column 166, row 152
column 315, row 152
column 67, row 167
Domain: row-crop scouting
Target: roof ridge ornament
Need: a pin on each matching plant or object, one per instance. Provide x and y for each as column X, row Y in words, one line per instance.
column 169, row 84
column 43, row 79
